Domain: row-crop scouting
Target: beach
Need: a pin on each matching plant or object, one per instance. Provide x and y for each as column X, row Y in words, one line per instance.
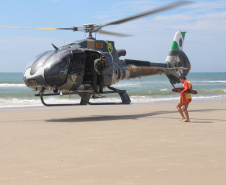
column 107, row 145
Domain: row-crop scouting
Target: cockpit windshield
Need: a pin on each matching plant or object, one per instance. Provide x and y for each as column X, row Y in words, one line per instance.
column 56, row 67
column 39, row 61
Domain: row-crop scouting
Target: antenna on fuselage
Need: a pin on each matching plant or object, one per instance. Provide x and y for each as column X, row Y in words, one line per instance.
column 56, row 48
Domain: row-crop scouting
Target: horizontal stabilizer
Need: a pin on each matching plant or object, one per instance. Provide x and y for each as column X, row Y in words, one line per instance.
column 174, row 69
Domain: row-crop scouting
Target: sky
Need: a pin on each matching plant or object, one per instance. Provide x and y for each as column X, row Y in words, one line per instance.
column 204, row 21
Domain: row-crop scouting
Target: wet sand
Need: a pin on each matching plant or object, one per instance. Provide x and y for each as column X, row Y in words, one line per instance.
column 109, row 145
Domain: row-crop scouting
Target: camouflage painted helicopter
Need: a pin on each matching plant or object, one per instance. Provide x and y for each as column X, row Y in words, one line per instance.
column 68, row 69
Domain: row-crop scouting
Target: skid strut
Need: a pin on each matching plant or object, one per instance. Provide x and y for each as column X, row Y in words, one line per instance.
column 85, row 97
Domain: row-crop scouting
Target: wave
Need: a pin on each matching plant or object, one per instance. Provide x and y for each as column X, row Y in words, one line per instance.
column 170, row 92
column 220, row 81
column 12, row 85
column 211, row 91
column 127, row 85
column 164, row 90
column 34, row 102
column 15, row 102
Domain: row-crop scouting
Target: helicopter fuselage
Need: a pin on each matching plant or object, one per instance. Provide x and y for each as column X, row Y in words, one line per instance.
column 70, row 67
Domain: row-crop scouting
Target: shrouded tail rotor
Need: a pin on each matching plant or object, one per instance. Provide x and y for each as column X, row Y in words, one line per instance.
column 177, row 59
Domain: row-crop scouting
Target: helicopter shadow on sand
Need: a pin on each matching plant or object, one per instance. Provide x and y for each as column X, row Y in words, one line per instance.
column 94, row 118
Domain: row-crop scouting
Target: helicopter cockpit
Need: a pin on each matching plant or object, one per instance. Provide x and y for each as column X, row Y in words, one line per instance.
column 50, row 67
column 63, row 68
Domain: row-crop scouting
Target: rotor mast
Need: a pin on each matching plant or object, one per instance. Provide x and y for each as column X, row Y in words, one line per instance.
column 89, row 28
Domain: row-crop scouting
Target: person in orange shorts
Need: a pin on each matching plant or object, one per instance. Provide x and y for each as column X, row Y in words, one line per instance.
column 185, row 99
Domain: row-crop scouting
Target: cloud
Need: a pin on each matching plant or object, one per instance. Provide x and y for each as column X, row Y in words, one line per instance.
column 198, row 16
column 215, row 15
column 127, row 8
column 183, row 17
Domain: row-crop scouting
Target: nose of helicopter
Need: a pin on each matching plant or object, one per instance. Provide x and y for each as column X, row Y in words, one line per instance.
column 34, row 81
column 48, row 69
column 34, row 74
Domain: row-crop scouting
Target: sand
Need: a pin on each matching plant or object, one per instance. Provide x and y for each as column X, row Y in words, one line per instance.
column 111, row 145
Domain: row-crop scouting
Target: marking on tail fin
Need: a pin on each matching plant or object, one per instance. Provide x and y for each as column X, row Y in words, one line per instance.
column 174, row 45
column 183, row 34
column 180, row 42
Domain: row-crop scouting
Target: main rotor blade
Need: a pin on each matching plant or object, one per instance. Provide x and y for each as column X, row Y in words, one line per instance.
column 167, row 7
column 40, row 28
column 114, row 33
column 17, row 27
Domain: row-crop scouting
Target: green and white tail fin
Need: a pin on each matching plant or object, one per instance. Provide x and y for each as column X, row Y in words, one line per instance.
column 177, row 59
column 178, row 41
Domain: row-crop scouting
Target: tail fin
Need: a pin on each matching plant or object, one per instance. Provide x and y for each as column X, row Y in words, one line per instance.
column 177, row 58
column 178, row 40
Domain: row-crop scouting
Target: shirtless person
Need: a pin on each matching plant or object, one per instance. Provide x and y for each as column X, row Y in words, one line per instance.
column 185, row 99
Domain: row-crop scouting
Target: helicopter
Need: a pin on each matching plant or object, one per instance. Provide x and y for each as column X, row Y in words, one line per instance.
column 68, row 69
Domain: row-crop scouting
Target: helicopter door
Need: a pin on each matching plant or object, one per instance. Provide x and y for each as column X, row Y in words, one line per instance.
column 90, row 56
column 76, row 71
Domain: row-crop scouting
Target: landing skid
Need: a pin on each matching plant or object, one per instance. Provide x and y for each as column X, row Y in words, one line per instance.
column 85, row 97
column 97, row 96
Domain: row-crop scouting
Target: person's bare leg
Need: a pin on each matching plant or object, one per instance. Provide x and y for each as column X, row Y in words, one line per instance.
column 185, row 109
column 180, row 110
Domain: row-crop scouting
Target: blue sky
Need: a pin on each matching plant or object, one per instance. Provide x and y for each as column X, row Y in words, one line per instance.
column 204, row 21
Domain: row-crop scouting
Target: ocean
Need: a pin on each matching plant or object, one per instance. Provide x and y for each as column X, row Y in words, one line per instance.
column 153, row 89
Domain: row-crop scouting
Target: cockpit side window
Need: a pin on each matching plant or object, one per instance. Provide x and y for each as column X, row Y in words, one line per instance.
column 77, row 62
